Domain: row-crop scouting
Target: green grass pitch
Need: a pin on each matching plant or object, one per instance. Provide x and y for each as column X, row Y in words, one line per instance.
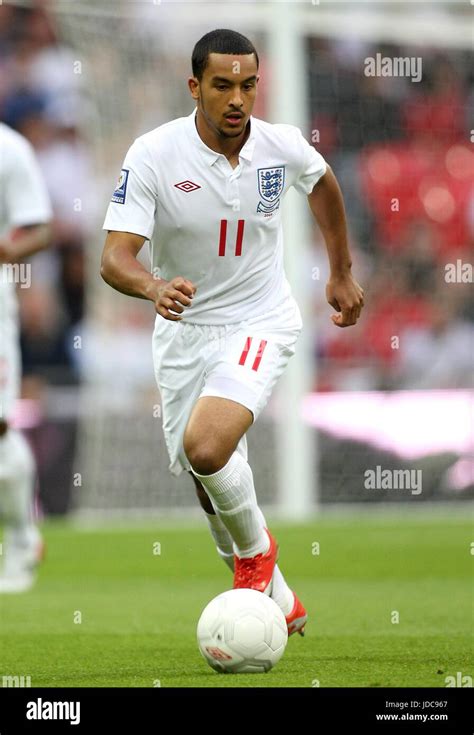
column 118, row 606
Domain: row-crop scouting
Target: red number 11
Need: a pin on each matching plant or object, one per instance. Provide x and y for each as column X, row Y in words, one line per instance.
column 238, row 241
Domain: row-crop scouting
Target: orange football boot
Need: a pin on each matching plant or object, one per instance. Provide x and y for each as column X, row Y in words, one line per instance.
column 297, row 618
column 256, row 572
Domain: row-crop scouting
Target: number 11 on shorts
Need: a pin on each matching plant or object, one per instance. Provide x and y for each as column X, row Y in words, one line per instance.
column 246, row 350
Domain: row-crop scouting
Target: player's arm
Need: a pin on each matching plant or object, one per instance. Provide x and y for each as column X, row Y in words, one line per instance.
column 342, row 290
column 26, row 202
column 24, row 241
column 121, row 270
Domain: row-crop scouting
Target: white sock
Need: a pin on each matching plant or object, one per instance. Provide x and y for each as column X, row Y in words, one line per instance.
column 221, row 536
column 17, row 475
column 281, row 593
column 233, row 497
column 227, row 559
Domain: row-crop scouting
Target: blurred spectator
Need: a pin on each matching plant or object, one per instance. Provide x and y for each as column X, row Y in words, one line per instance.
column 406, row 168
column 440, row 356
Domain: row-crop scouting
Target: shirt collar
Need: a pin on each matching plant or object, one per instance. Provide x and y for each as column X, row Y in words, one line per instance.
column 211, row 156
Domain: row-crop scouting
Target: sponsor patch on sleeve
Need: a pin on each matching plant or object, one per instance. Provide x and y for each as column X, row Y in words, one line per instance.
column 121, row 189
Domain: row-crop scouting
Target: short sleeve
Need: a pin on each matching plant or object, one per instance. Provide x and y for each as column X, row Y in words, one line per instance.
column 133, row 204
column 26, row 197
column 313, row 166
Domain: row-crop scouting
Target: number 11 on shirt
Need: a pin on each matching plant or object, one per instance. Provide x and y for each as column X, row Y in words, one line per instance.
column 239, row 238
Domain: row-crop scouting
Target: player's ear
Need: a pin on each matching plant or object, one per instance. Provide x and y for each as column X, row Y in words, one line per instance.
column 193, row 85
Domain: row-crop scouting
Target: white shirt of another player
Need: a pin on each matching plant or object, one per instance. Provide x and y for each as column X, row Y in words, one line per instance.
column 217, row 226
column 24, row 201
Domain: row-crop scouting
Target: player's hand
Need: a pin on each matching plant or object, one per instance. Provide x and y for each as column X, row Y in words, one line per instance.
column 347, row 297
column 175, row 295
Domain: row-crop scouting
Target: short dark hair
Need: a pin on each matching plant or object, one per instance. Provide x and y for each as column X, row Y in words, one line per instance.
column 220, row 41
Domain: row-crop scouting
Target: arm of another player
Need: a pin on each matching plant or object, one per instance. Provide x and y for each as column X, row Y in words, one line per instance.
column 26, row 201
column 342, row 290
column 24, row 241
column 121, row 270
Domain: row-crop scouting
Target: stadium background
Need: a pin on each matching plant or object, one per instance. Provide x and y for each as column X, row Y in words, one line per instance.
column 82, row 80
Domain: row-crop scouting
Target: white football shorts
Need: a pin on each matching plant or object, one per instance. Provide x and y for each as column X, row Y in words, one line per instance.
column 240, row 361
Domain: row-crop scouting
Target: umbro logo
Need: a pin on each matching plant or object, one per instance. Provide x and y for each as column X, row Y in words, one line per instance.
column 187, row 186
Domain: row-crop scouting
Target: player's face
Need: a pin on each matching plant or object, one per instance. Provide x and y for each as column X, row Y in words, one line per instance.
column 227, row 91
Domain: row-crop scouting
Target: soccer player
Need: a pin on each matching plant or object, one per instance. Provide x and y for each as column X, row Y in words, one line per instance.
column 25, row 213
column 205, row 190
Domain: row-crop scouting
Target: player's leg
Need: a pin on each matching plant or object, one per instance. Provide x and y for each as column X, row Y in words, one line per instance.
column 213, row 431
column 22, row 544
column 180, row 395
column 281, row 593
column 245, row 372
column 219, row 532
column 180, row 389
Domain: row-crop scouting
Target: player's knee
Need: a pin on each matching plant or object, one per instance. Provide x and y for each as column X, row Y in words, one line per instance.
column 3, row 427
column 204, row 457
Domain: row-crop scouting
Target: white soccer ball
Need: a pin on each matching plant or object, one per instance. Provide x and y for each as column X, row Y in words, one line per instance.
column 242, row 632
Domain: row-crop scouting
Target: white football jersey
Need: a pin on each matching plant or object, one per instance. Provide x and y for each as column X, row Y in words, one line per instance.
column 24, row 201
column 217, row 226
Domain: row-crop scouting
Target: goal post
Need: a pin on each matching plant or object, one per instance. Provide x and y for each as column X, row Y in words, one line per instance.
column 297, row 451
